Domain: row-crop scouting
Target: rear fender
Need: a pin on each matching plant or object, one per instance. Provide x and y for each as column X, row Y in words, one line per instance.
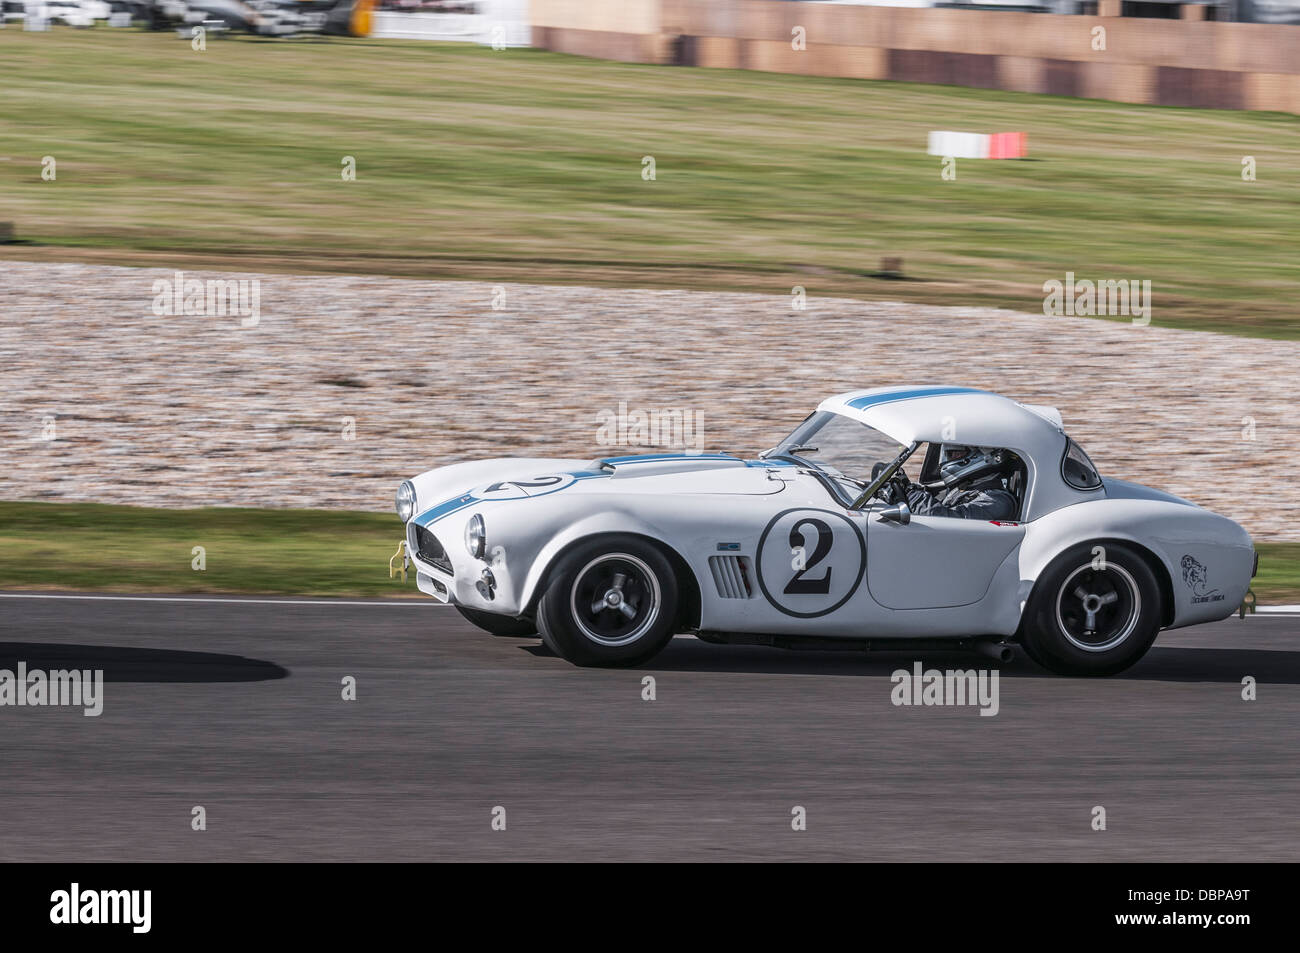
column 1168, row 533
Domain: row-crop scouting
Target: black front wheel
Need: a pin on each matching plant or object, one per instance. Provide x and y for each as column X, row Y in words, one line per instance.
column 609, row 602
column 499, row 624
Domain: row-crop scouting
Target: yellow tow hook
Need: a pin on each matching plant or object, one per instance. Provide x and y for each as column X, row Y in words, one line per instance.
column 401, row 553
column 1247, row 604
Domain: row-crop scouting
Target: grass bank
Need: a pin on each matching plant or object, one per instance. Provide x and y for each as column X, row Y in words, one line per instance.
column 525, row 165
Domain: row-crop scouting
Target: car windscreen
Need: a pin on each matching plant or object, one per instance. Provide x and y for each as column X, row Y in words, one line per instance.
column 840, row 445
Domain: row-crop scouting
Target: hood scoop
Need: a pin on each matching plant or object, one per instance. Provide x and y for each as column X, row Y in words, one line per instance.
column 655, row 464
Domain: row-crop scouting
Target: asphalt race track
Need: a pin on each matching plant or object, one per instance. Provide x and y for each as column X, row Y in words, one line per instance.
column 236, row 706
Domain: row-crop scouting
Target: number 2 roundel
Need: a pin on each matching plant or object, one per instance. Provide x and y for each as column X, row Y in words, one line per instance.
column 810, row 562
column 526, row 486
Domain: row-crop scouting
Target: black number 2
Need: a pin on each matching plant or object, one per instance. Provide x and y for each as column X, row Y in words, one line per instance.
column 535, row 482
column 799, row 585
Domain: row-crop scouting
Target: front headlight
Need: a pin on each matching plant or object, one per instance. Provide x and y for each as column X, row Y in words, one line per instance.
column 405, row 501
column 475, row 537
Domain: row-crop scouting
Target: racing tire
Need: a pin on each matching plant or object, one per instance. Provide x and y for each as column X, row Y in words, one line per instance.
column 610, row 602
column 1092, row 615
column 497, row 624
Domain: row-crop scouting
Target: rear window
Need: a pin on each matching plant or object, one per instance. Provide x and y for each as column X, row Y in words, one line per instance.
column 1077, row 469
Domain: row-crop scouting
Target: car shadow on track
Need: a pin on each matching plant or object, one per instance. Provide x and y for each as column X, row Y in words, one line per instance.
column 139, row 665
column 1161, row 664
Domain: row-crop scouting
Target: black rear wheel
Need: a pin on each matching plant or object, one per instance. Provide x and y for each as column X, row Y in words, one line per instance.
column 1095, row 610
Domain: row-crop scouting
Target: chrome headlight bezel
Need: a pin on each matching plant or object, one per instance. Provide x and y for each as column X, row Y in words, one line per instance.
column 405, row 501
column 476, row 536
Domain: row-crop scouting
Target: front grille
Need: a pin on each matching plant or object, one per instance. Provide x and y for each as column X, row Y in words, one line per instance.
column 731, row 576
column 430, row 550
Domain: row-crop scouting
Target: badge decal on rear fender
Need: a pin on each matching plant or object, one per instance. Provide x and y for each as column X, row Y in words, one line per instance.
column 1197, row 578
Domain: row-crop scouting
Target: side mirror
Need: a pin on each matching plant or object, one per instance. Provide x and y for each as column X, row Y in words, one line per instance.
column 899, row 513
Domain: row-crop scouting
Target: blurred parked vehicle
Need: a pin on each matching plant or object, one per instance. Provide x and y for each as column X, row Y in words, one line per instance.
column 264, row 17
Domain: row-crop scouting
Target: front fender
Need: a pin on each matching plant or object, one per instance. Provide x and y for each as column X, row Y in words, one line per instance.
column 593, row 525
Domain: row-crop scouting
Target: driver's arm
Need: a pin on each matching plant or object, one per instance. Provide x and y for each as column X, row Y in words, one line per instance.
column 983, row 505
column 922, row 502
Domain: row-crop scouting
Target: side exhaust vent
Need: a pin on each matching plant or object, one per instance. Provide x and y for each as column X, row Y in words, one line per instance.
column 731, row 575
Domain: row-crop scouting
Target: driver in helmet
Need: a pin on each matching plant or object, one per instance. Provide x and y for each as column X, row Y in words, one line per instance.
column 976, row 490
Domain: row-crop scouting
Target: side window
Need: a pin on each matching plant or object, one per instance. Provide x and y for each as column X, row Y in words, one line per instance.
column 915, row 467
column 1077, row 470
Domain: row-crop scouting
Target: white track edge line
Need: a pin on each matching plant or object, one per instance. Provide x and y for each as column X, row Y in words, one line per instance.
column 234, row 601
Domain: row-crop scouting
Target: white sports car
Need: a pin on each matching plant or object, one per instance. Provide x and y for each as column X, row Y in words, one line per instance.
column 814, row 544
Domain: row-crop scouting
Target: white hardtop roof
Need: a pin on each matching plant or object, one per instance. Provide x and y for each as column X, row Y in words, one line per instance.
column 949, row 414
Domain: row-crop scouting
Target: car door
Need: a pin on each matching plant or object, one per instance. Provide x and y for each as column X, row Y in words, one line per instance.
column 786, row 563
column 935, row 562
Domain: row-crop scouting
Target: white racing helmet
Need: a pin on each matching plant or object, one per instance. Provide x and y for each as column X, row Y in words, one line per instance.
column 976, row 463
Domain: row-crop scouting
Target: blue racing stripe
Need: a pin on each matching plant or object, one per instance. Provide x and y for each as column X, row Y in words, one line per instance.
column 434, row 513
column 456, row 503
column 873, row 400
column 655, row 457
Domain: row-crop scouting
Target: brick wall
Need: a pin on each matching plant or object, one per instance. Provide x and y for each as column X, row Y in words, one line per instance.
column 1169, row 62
